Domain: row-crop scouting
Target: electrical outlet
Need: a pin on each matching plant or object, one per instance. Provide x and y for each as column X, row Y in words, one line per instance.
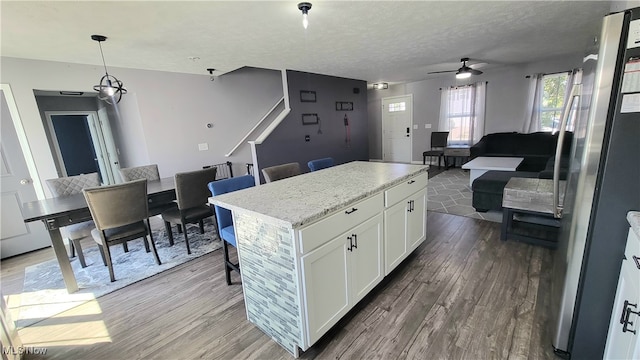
column 415, row 127
column 203, row 147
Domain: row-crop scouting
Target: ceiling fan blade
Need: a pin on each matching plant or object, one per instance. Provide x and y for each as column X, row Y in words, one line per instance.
column 475, row 72
column 440, row 72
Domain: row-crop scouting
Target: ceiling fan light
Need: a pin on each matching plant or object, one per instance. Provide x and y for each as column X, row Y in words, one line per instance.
column 463, row 75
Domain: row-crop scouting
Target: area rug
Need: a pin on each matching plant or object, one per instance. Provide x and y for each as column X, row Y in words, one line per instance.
column 449, row 192
column 44, row 294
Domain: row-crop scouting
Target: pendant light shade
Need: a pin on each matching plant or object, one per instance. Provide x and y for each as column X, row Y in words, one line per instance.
column 110, row 89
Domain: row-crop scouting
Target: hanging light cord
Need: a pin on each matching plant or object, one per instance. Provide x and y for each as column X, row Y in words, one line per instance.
column 102, row 54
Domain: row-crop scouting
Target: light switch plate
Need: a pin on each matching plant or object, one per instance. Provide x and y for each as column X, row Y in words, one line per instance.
column 203, row 147
column 427, row 126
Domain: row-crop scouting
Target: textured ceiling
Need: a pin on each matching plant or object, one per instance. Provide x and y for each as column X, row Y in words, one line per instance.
column 393, row 41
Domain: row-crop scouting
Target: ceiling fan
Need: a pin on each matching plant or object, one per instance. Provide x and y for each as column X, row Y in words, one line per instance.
column 461, row 73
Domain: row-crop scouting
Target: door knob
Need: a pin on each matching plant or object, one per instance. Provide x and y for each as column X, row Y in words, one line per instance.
column 25, row 181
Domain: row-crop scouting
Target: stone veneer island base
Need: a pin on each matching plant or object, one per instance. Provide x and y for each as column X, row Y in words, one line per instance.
column 312, row 246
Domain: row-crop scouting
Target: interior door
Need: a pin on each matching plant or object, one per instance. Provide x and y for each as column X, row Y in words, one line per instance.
column 397, row 120
column 16, row 187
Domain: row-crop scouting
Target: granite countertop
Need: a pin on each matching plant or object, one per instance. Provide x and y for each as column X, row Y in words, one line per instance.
column 634, row 220
column 302, row 199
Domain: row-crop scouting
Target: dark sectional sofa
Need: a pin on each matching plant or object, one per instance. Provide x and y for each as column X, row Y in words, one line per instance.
column 538, row 150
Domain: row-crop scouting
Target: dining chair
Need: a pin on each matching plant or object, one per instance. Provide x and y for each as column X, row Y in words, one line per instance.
column 319, row 164
column 149, row 172
column 72, row 185
column 224, row 218
column 121, row 214
column 438, row 144
column 280, row 172
column 191, row 195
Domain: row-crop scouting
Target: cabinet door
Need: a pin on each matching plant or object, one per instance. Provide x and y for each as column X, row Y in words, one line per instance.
column 622, row 342
column 395, row 233
column 326, row 284
column 417, row 220
column 366, row 265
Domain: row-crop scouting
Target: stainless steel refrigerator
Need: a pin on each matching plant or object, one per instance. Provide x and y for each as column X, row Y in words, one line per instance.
column 603, row 184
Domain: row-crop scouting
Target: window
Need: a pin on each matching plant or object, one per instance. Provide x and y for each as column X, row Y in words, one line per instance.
column 554, row 89
column 401, row 106
column 462, row 113
column 548, row 95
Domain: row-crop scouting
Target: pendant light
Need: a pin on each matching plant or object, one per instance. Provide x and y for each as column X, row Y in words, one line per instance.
column 304, row 7
column 110, row 89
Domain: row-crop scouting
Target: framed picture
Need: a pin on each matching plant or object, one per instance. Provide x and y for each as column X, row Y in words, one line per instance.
column 307, row 96
column 309, row 119
column 344, row 106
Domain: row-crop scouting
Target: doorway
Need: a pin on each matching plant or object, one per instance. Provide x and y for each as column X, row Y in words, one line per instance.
column 397, row 121
column 82, row 144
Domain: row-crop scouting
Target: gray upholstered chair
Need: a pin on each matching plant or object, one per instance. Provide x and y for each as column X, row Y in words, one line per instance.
column 192, row 194
column 279, row 172
column 72, row 185
column 121, row 214
column 149, row 172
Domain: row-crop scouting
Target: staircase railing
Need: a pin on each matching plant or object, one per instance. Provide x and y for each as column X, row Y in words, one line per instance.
column 242, row 141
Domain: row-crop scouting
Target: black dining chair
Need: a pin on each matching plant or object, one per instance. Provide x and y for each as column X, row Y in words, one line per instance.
column 438, row 144
column 192, row 195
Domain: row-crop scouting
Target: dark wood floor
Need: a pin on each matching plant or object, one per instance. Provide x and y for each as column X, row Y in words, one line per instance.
column 463, row 294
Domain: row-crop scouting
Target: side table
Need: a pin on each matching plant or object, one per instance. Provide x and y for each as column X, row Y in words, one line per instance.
column 456, row 151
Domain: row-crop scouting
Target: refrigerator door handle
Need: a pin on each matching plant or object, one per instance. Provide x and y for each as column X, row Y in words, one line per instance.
column 575, row 93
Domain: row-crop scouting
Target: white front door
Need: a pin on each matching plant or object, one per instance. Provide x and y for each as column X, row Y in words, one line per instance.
column 16, row 187
column 397, row 120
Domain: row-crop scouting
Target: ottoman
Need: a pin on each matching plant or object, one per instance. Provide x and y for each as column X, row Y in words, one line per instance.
column 488, row 187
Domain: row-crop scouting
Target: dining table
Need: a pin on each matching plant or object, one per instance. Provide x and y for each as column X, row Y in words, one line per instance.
column 62, row 211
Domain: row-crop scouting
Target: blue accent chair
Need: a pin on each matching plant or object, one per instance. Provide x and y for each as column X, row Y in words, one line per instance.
column 319, row 164
column 224, row 219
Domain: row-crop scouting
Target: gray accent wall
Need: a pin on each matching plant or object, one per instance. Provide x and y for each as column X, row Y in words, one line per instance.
column 327, row 139
column 505, row 107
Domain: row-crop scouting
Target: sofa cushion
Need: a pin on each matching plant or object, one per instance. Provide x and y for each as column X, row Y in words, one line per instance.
column 539, row 143
column 494, row 181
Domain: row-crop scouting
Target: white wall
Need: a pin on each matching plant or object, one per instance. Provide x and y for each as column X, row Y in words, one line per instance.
column 506, row 99
column 162, row 118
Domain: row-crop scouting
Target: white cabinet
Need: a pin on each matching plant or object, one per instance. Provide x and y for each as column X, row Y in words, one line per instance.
column 624, row 330
column 405, row 223
column 340, row 273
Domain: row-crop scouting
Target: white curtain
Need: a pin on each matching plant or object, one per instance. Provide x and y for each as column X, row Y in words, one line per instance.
column 477, row 131
column 532, row 114
column 575, row 77
column 462, row 112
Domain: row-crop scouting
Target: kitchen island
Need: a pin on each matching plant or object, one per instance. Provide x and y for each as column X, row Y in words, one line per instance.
column 312, row 246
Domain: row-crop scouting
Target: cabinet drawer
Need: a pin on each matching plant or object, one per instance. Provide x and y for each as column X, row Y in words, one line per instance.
column 326, row 229
column 401, row 191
